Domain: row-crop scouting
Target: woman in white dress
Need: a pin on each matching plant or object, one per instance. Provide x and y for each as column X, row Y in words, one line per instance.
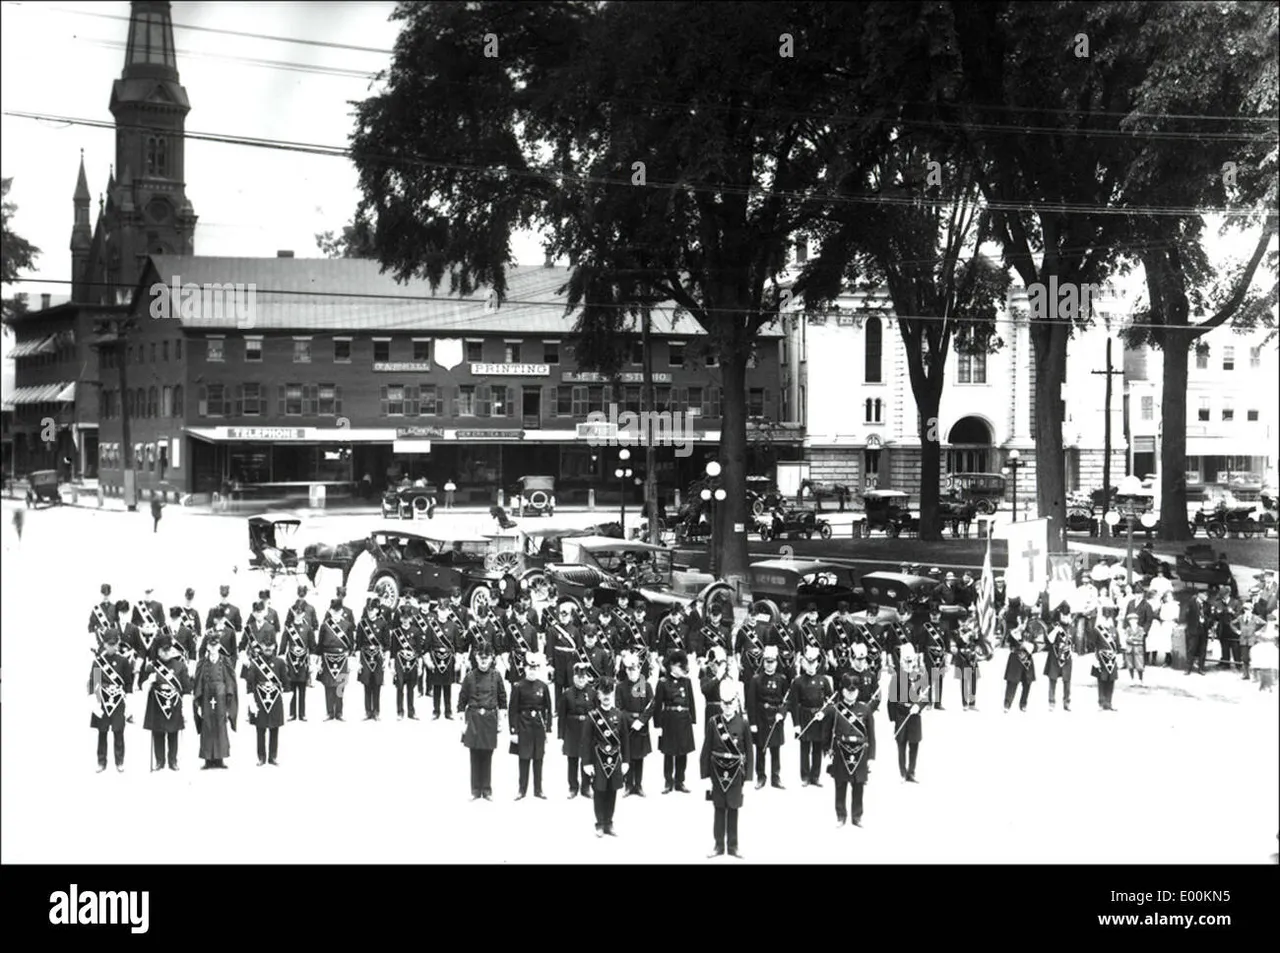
column 1160, row 638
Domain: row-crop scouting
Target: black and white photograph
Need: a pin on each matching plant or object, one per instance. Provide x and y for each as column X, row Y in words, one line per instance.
column 694, row 434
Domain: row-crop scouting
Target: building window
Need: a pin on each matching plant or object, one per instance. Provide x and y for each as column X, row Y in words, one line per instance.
column 551, row 352
column 1148, row 408
column 475, row 351
column 755, row 402
column 564, row 401
column 214, row 403
column 177, row 350
column 637, row 352
column 328, row 399
column 466, row 403
column 1255, row 357
column 178, row 409
column 157, row 155
column 215, row 350
column 1202, row 360
column 871, row 468
column 711, row 400
column 500, row 406
column 1251, row 416
column 676, row 353
column 1228, row 358
column 1204, row 409
column 393, row 400
column 1228, row 414
column 972, row 368
column 302, row 351
column 153, row 352
column 251, row 400
column 421, row 350
column 874, row 409
column 662, row 399
column 153, row 402
column 511, row 353
column 693, row 403
column 429, row 400
column 253, row 350
column 711, row 358
column 342, row 350
column 874, row 341
column 293, row 400
column 381, row 350
column 166, row 402
column 631, row 398
column 164, row 351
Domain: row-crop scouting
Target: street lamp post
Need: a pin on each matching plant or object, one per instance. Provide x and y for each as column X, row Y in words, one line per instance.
column 1129, row 487
column 1012, row 466
column 711, row 497
column 623, row 473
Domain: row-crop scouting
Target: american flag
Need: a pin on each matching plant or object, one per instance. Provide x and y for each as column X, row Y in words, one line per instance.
column 986, row 598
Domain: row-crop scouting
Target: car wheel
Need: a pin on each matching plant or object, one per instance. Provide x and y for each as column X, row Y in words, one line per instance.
column 824, row 530
column 757, row 507
column 892, row 530
column 986, row 507
column 539, row 500
column 479, row 596
column 715, row 594
column 765, row 533
column 536, row 583
column 808, row 534
column 1216, row 530
column 387, row 587
column 507, row 561
column 1250, row 529
column 421, row 504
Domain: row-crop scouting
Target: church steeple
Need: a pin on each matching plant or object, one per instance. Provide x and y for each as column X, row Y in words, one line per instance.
column 81, row 235
column 149, row 54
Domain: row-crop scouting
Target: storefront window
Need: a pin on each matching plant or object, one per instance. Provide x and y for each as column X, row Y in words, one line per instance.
column 479, row 465
column 579, row 463
column 250, row 465
column 333, row 464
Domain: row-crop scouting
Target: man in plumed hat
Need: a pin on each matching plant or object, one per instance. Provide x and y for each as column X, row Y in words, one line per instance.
column 809, row 694
column 170, row 680
column 530, row 719
column 727, row 756
column 225, row 609
column 264, row 677
column 765, row 711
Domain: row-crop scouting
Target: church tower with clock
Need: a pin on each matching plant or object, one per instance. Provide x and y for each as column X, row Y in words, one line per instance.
column 146, row 210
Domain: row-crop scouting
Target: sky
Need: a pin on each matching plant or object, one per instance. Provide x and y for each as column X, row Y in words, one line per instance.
column 60, row 59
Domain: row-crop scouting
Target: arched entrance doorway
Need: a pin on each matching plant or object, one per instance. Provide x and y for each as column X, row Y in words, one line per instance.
column 969, row 446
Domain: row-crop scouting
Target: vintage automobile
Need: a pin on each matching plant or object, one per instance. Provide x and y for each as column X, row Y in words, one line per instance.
column 1081, row 516
column 762, row 495
column 392, row 561
column 43, row 488
column 534, row 496
column 1238, row 519
column 797, row 582
column 520, row 550
column 409, row 502
column 271, row 543
column 790, row 522
column 905, row 593
column 890, row 511
column 614, row 567
column 984, row 490
column 954, row 511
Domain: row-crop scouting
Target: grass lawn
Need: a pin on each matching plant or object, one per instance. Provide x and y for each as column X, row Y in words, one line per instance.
column 1257, row 552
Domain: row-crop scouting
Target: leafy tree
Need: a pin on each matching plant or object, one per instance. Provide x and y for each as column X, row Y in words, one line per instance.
column 356, row 241
column 16, row 255
column 669, row 150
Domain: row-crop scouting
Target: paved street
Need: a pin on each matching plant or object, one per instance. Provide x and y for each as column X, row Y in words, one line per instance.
column 1185, row 771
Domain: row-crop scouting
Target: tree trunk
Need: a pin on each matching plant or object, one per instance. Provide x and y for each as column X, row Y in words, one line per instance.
column 1050, row 345
column 650, row 460
column 928, row 401
column 1173, row 439
column 732, row 513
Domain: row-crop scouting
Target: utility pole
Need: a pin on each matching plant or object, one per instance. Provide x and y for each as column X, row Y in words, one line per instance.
column 117, row 330
column 1106, row 440
column 649, row 402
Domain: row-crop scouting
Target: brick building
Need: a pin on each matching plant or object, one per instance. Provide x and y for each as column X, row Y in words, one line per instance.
column 328, row 371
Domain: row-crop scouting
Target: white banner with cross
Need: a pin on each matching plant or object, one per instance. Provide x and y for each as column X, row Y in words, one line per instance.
column 1028, row 572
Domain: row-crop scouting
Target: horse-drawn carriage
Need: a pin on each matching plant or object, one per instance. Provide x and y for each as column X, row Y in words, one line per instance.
column 824, row 491
column 272, row 544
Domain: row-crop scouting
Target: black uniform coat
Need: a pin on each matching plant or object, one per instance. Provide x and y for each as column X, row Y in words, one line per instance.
column 749, row 645
column 372, row 643
column 788, row 640
column 335, row 648
column 108, row 609
column 482, row 696
column 1106, row 667
column 845, row 734
column 252, row 630
column 575, row 704
column 635, row 701
column 932, row 640
column 104, row 686
column 764, row 703
column 809, row 694
column 185, row 639
column 672, row 637
column 305, row 612
column 724, row 737
column 516, row 652
column 870, row 695
column 674, row 716
column 190, row 618
column 529, row 717
column 170, row 691
column 407, row 645
column 444, row 643
column 262, row 691
column 1057, row 662
column 297, row 652
column 909, row 690
column 597, row 744
column 232, row 614
column 1020, row 666
column 562, row 649
column 153, row 608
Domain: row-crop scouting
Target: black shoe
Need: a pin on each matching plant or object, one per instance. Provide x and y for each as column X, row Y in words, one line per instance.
column 759, row 783
column 339, row 718
column 413, row 717
column 628, row 792
column 610, row 832
column 302, row 718
column 221, row 764
column 777, row 783
column 841, row 822
column 639, row 791
column 293, row 717
column 448, row 716
column 488, row 796
column 816, row 782
column 539, row 795
column 911, row 777
column 937, row 706
column 668, row 788
column 204, row 767
column 273, row 762
column 368, row 717
column 475, row 797
column 682, row 789
column 435, row 716
column 804, row 782
column 173, row 765
column 734, row 852
column 101, row 768
column 261, row 762
column 399, row 716
column 572, row 795
column 1066, row 707
column 857, row 822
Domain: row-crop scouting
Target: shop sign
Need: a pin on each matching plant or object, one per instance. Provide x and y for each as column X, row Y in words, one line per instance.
column 490, row 434
column 511, row 370
column 266, row 433
column 401, row 367
column 630, row 377
column 419, row 433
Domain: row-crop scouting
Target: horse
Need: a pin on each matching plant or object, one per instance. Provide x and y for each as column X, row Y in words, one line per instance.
column 824, row 491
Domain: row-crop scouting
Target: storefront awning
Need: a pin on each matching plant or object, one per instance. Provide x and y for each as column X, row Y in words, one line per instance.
column 42, row 345
column 291, row 434
column 1228, row 446
column 62, row 392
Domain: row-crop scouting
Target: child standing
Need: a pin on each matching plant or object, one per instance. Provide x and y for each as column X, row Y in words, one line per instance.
column 1265, row 658
column 1135, row 655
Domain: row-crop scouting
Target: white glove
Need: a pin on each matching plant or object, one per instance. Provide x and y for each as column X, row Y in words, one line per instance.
column 779, row 716
column 589, row 770
column 625, row 768
column 253, row 709
column 95, row 708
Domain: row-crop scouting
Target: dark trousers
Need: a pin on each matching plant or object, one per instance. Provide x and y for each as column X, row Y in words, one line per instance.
column 577, row 780
column 673, row 767
column 1066, row 690
column 1195, row 651
column 372, row 700
column 1230, row 651
column 635, row 775
column 404, row 691
column 524, row 775
column 726, row 822
column 118, row 745
column 969, row 687
column 605, row 802
column 775, row 756
column 810, row 761
column 481, row 772
column 155, row 524
column 158, row 745
column 842, row 787
column 1105, row 692
column 265, row 733
column 907, row 752
column 332, row 701
column 1011, row 687
column 937, row 678
column 1244, row 659
column 298, row 702
column 445, row 692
